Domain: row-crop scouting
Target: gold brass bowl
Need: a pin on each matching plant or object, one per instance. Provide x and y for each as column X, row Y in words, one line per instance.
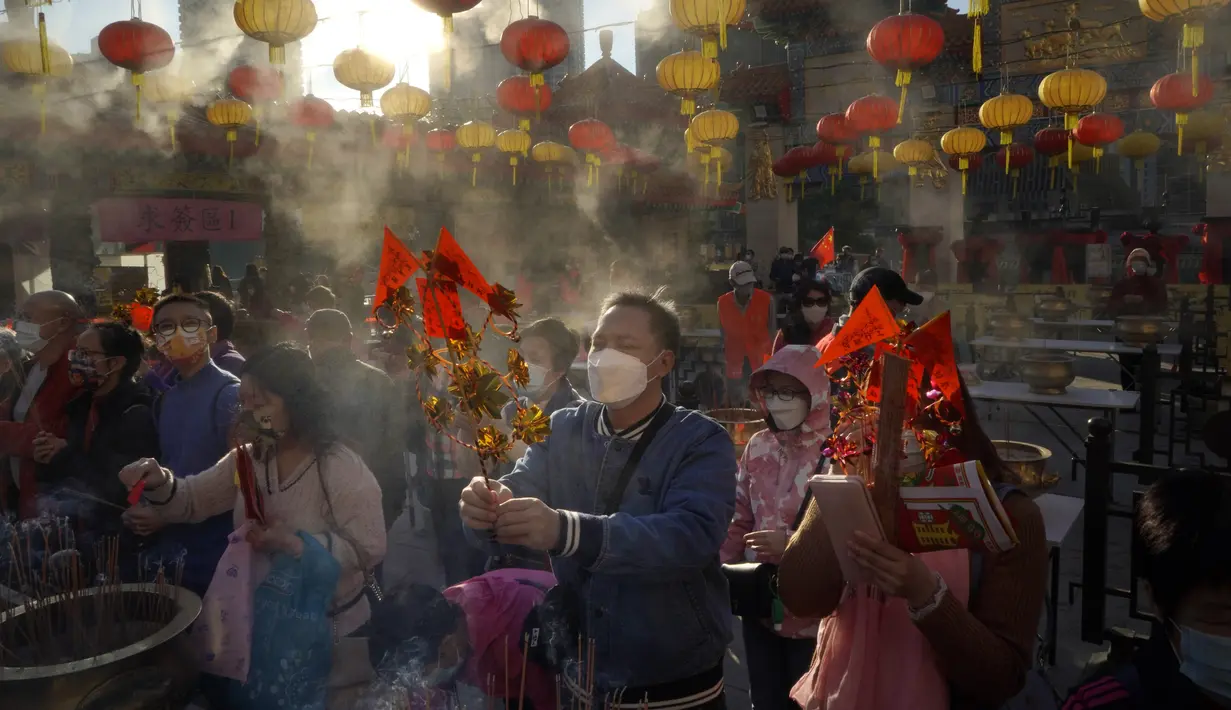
column 740, row 423
column 1097, row 295
column 1053, row 309
column 1008, row 326
column 1140, row 331
column 1029, row 462
column 1046, row 373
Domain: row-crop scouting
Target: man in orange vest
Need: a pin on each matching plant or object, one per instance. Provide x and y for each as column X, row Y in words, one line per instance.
column 746, row 315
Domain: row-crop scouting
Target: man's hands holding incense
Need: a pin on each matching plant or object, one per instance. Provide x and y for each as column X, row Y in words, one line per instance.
column 489, row 505
column 481, row 501
column 896, row 573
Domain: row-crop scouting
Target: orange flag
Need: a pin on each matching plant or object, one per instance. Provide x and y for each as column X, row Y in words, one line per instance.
column 397, row 265
column 932, row 344
column 143, row 317
column 442, row 311
column 823, row 250
column 451, row 262
column 871, row 323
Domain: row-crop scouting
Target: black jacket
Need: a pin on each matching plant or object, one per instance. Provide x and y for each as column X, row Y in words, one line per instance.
column 1152, row 681
column 124, row 432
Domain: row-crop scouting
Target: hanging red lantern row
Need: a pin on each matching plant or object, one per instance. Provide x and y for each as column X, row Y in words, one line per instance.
column 1052, row 143
column 871, row 116
column 905, row 42
column 440, row 142
column 1096, row 131
column 833, row 130
column 974, row 161
column 139, row 47
column 591, row 136
column 1174, row 93
column 519, row 98
column 534, row 45
column 1013, row 158
column 257, row 86
column 313, row 115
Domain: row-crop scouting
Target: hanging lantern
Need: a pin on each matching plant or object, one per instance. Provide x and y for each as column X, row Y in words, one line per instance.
column 1193, row 14
column 257, row 86
column 712, row 165
column 687, row 75
column 1173, row 93
column 1137, row 146
column 1081, row 154
column 276, row 23
column 963, row 142
column 446, row 9
column 709, row 19
column 1052, row 143
column 400, row 142
column 973, row 162
column 829, row 156
column 364, row 72
column 535, row 45
column 786, row 167
column 1098, row 130
column 513, row 143
column 977, row 10
column 1204, row 127
column 905, row 42
column 137, row 46
column 1013, row 158
column 914, row 154
column 517, row 96
column 833, row 129
column 231, row 114
column 1072, row 92
column 712, row 128
column 312, row 115
column 591, row 136
column 168, row 91
column 1005, row 113
column 871, row 116
column 553, row 157
column 475, row 137
column 865, row 164
column 27, row 58
column 404, row 105
column 440, row 142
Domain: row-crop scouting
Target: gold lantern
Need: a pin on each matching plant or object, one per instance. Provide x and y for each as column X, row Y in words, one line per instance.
column 713, row 127
column 513, row 142
column 1202, row 127
column 168, row 91
column 1192, row 13
column 1072, row 92
column 687, row 74
column 405, row 104
column 38, row 60
column 861, row 167
column 364, row 72
column 1137, row 146
column 1005, row 113
column 231, row 114
column 276, row 23
column 709, row 19
column 553, row 157
column 964, row 142
column 475, row 137
column 914, row 154
column 718, row 161
column 689, row 142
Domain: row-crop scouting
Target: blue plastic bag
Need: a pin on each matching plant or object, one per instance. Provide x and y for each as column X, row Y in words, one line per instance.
column 292, row 638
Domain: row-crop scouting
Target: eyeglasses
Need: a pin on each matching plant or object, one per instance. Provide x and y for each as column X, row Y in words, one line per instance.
column 783, row 395
column 810, row 302
column 188, row 325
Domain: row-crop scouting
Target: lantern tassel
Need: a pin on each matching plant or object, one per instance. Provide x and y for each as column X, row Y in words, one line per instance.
column 863, row 181
column 1181, row 119
column 138, row 82
column 723, row 8
column 513, row 162
column 448, row 58
column 903, row 80
column 976, row 48
column 833, row 182
column 474, row 171
column 311, row 147
column 803, row 185
column 372, row 125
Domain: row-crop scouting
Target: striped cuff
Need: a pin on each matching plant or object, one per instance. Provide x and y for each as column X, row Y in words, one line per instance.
column 581, row 536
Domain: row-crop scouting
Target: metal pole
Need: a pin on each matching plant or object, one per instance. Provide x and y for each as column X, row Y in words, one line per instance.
column 1094, row 530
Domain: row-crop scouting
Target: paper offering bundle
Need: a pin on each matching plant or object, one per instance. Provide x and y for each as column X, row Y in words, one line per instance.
column 846, row 508
column 952, row 507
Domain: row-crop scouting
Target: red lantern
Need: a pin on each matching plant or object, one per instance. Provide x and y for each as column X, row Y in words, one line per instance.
column 591, row 136
column 871, row 116
column 534, row 45
column 830, row 156
column 440, row 141
column 905, row 42
column 396, row 139
column 137, row 46
column 974, row 161
column 833, row 129
column 256, row 84
column 1016, row 156
column 517, row 96
column 1098, row 130
column 311, row 114
column 1051, row 142
column 1174, row 93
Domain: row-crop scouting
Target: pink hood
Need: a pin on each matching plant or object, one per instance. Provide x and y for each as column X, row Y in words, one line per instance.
column 1137, row 253
column 799, row 361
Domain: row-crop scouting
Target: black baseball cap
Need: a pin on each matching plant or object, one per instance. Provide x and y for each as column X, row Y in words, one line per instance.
column 890, row 283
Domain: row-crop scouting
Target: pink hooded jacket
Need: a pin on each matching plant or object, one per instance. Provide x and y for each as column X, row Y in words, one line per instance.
column 775, row 468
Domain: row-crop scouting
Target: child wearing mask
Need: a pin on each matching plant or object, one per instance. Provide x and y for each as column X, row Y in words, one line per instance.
column 1182, row 524
column 807, row 319
column 770, row 493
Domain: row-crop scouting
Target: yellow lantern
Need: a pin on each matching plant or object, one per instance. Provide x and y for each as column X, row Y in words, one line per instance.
column 28, row 58
column 405, row 103
column 914, row 153
column 689, row 142
column 963, row 142
column 718, row 160
column 861, row 166
column 1072, row 92
column 1137, row 146
column 1192, row 13
column 231, row 114
column 169, row 91
column 513, row 142
column 1005, row 113
column 687, row 74
column 708, row 18
column 1202, row 127
column 476, row 136
column 553, row 156
column 276, row 23
column 713, row 127
column 364, row 72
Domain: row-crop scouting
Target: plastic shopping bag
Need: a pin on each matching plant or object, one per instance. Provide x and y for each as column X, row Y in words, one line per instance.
column 224, row 629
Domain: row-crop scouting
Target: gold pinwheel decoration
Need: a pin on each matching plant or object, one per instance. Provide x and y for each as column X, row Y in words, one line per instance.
column 531, row 425
column 492, row 444
column 519, row 372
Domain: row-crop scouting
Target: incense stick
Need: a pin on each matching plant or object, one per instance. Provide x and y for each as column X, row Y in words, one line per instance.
column 525, row 652
column 94, row 499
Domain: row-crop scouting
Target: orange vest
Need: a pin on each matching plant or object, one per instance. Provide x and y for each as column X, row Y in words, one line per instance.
column 745, row 332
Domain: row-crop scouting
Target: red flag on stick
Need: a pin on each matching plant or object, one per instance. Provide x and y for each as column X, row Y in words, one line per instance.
column 933, row 347
column 451, row 262
column 823, row 250
column 442, row 311
column 397, row 265
column 871, row 323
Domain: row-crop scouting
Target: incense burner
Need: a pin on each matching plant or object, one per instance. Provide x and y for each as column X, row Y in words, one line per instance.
column 139, row 655
column 1140, row 331
column 1054, row 309
column 1046, row 373
column 740, row 423
column 1029, row 462
column 1009, row 326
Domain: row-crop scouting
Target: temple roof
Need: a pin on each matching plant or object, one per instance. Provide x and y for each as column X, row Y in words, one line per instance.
column 608, row 91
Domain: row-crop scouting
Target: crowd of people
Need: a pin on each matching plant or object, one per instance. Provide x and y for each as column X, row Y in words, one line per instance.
column 604, row 564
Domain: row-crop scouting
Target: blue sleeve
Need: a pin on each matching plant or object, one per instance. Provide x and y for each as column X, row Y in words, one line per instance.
column 225, row 412
column 684, row 536
column 528, row 479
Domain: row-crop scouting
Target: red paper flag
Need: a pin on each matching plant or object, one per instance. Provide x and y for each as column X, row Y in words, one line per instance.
column 823, row 250
column 914, row 384
column 143, row 317
column 871, row 323
column 134, row 494
column 442, row 311
column 451, row 262
column 932, row 344
column 397, row 265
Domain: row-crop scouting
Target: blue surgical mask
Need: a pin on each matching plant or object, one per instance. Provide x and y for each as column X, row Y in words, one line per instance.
column 1206, row 660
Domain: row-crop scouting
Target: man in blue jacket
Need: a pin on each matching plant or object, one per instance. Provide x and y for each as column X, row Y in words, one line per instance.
column 635, row 544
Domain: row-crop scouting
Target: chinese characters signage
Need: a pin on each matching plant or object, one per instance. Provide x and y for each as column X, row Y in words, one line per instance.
column 163, row 219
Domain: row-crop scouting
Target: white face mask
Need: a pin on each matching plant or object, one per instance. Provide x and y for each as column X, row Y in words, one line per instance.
column 29, row 335
column 789, row 414
column 1138, row 267
column 538, row 380
column 813, row 315
column 616, row 379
